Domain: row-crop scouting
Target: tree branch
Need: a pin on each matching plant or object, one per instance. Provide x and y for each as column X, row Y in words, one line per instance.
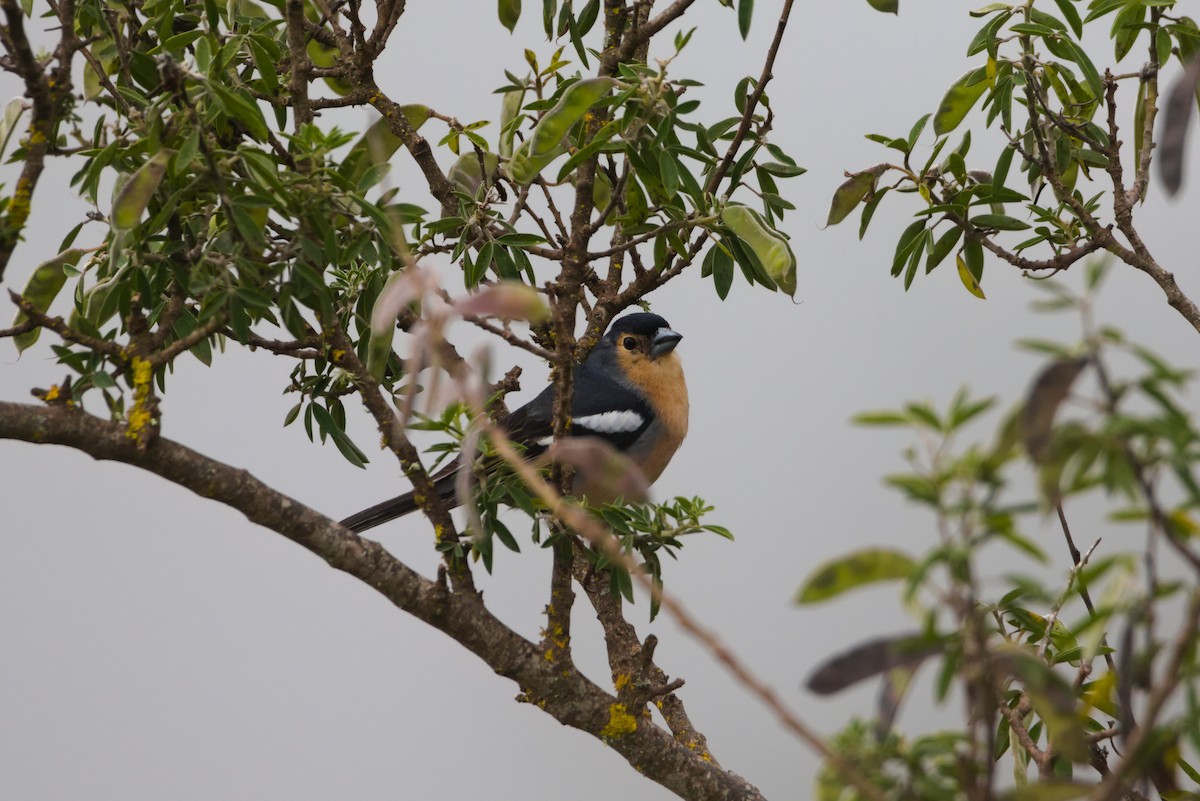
column 300, row 64
column 764, row 78
column 43, row 90
column 567, row 696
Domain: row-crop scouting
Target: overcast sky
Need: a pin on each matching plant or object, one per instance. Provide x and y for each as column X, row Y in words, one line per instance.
column 157, row 645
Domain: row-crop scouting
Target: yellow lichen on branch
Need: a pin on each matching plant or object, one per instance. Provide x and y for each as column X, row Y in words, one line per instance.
column 141, row 416
column 620, row 722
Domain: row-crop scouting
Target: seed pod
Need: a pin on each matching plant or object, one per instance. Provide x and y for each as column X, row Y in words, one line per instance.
column 570, row 108
column 41, row 290
column 767, row 244
column 545, row 143
column 325, row 57
column 510, row 107
column 96, row 307
column 133, row 198
column 524, row 166
column 466, row 175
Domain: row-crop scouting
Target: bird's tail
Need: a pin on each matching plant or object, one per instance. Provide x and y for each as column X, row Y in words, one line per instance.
column 443, row 483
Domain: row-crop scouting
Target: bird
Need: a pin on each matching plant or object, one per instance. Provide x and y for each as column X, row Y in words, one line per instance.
column 630, row 392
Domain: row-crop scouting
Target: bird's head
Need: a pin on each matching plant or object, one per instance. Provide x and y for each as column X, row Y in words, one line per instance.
column 643, row 347
column 642, row 337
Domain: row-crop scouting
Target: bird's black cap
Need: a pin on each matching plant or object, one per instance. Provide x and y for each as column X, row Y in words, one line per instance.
column 642, row 323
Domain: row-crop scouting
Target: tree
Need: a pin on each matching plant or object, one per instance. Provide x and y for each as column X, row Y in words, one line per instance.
column 239, row 217
column 283, row 235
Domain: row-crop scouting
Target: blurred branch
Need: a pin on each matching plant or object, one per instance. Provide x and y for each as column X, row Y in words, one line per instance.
column 1160, row 694
column 600, row 537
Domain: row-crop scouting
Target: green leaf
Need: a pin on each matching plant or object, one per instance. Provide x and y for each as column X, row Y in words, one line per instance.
column 41, row 290
column 719, row 264
column 745, row 12
column 510, row 12
column 1032, row 28
column 958, row 101
column 599, row 141
column 378, row 143
column 398, row 291
column 886, row 6
column 347, row 448
column 588, row 17
column 1090, row 73
column 243, row 109
column 869, row 210
column 909, row 239
column 858, row 569
column 781, row 170
column 1001, row 222
column 1067, row 9
column 880, row 419
column 915, row 132
column 942, row 247
column 972, row 253
column 510, row 108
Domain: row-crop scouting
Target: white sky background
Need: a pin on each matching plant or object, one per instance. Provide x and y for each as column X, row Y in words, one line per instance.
column 157, row 645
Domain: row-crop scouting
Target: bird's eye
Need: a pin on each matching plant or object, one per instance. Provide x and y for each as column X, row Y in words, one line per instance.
column 630, row 343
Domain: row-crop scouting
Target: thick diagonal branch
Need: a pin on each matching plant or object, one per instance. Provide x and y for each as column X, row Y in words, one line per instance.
column 567, row 696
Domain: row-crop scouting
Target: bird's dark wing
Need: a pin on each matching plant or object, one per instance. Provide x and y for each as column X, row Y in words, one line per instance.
column 601, row 408
column 607, row 409
column 534, row 421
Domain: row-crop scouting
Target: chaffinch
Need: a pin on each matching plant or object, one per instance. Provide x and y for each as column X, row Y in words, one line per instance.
column 630, row 392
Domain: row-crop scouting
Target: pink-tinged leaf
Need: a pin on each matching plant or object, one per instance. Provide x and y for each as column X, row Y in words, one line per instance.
column 851, row 193
column 601, row 471
column 402, row 288
column 506, row 299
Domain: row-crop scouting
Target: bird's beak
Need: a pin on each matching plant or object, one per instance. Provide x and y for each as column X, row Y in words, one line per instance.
column 664, row 342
